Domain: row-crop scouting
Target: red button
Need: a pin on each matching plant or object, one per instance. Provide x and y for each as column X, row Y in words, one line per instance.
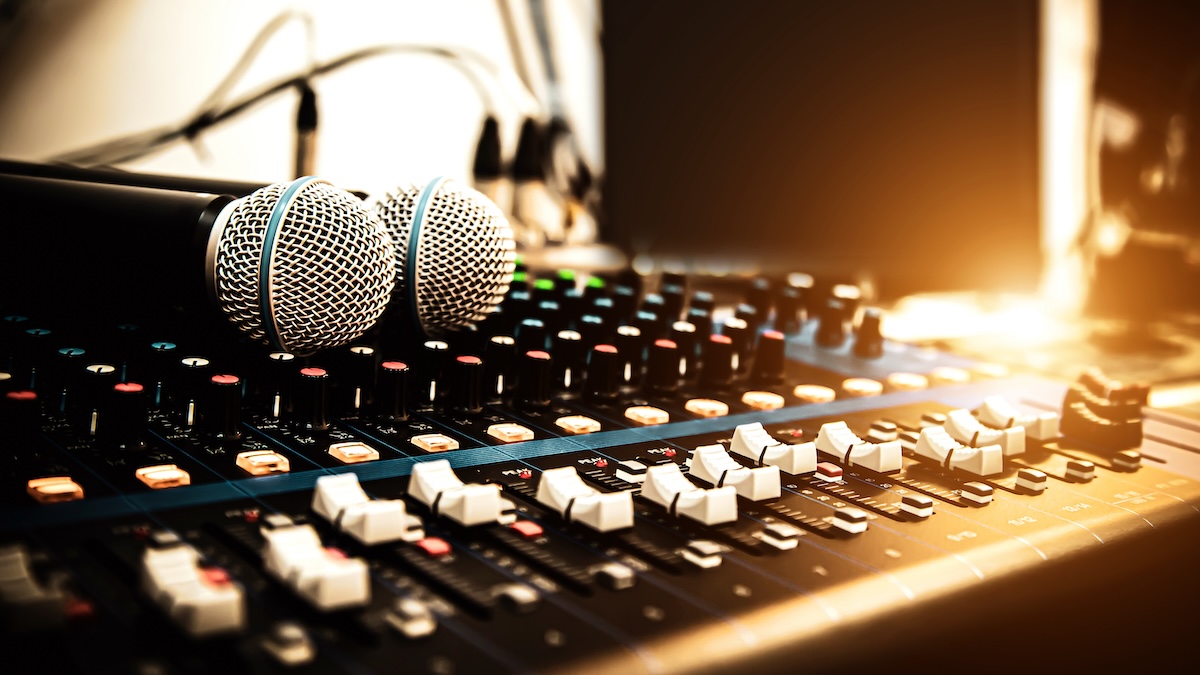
column 78, row 609
column 527, row 528
column 215, row 576
column 829, row 469
column 434, row 547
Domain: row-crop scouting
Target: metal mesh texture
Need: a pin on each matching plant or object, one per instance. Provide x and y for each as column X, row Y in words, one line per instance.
column 465, row 256
column 332, row 273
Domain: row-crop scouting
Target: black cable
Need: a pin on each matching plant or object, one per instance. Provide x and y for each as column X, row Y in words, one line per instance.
column 306, row 132
column 142, row 144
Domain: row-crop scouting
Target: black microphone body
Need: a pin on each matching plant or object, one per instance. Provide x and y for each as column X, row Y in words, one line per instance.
column 93, row 247
column 113, row 176
column 299, row 266
column 119, row 177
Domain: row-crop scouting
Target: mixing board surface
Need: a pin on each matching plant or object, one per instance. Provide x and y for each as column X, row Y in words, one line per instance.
column 596, row 479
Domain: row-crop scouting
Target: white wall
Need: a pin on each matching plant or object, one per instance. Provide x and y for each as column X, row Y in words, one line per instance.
column 82, row 71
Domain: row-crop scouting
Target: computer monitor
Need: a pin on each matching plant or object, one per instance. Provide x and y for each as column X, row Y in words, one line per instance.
column 895, row 141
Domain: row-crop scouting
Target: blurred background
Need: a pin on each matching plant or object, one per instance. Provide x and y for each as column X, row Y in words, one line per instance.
column 1014, row 179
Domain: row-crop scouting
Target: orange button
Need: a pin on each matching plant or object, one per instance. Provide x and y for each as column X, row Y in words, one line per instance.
column 434, row 546
column 527, row 528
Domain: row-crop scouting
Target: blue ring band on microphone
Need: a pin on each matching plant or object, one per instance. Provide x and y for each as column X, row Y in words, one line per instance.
column 414, row 238
column 274, row 223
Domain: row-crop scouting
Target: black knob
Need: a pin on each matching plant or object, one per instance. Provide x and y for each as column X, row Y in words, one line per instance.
column 432, row 371
column 683, row 334
column 533, row 379
column 850, row 296
column 604, row 374
column 520, row 282
column 592, row 329
column 122, row 418
column 803, row 285
column 544, row 289
column 531, row 336
column 466, row 384
column 595, row 288
column 31, row 357
column 632, row 350
column 605, row 309
column 758, row 296
column 738, row 331
column 569, row 359
column 673, row 296
column 769, row 359
column 221, row 414
column 392, row 391
column 20, row 421
column 701, row 319
column 518, row 304
column 831, row 324
column 499, row 360
column 63, row 381
column 868, row 341
column 564, row 281
column 662, row 369
column 703, row 301
column 191, row 379
column 751, row 314
column 160, row 358
column 716, row 373
column 98, row 380
column 649, row 325
column 787, row 310
column 551, row 314
column 276, row 392
column 357, row 389
column 655, row 304
column 572, row 303
column 624, row 301
column 310, row 408
column 500, row 321
column 126, row 340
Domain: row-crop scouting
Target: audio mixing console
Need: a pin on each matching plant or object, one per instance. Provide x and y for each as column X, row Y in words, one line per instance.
column 598, row 479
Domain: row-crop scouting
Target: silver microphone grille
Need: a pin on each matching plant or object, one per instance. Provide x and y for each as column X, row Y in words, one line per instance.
column 302, row 266
column 455, row 253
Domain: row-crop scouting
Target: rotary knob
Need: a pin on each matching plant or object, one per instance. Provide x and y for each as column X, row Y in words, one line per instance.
column 533, row 380
column 392, row 391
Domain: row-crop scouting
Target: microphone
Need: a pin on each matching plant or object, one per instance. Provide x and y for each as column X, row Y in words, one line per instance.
column 455, row 254
column 299, row 266
column 464, row 260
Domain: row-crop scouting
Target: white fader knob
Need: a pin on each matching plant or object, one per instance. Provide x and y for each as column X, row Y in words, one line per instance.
column 666, row 486
column 341, row 500
column 997, row 412
column 435, row 485
column 324, row 577
column 936, row 444
column 753, row 442
column 563, row 491
column 836, row 439
column 964, row 428
column 198, row 601
column 711, row 464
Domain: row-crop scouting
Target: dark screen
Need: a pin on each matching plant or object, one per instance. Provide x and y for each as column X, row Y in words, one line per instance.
column 893, row 139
